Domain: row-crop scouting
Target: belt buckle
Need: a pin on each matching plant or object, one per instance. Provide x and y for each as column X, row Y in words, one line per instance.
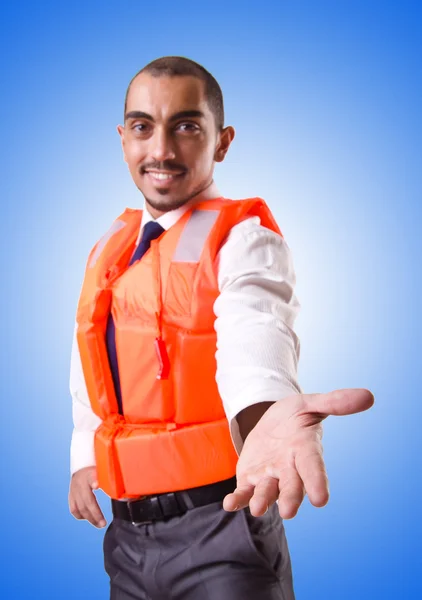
column 129, row 507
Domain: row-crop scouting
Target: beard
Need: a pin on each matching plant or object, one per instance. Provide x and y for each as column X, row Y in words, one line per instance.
column 166, row 205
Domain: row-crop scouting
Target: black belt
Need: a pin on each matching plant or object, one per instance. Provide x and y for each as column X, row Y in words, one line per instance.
column 153, row 508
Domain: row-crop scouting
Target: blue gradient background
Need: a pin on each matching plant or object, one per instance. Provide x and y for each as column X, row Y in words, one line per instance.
column 326, row 99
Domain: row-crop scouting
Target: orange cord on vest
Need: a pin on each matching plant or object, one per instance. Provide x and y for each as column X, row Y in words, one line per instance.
column 160, row 346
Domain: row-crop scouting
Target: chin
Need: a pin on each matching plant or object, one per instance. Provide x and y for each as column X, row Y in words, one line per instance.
column 164, row 202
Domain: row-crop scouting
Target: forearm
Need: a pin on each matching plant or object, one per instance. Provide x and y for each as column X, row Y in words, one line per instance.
column 85, row 421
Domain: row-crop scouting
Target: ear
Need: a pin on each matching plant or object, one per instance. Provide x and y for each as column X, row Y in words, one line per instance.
column 121, row 132
column 226, row 137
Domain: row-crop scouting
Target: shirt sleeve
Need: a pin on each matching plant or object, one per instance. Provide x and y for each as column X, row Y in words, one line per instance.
column 257, row 348
column 85, row 421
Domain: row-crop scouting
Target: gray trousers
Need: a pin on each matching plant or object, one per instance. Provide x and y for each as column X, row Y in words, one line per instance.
column 205, row 554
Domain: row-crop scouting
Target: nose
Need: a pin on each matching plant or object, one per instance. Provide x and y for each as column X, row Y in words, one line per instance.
column 162, row 145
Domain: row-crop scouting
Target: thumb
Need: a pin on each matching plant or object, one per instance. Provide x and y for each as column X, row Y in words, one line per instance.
column 340, row 402
column 93, row 481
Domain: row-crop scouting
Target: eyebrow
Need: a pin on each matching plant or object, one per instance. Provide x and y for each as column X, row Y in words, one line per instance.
column 183, row 114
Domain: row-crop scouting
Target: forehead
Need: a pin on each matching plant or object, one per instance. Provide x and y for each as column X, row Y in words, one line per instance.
column 163, row 96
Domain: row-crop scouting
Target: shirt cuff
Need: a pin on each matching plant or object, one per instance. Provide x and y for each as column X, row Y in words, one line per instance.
column 82, row 450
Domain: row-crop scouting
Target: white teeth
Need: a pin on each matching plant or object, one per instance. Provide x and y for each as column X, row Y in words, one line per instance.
column 161, row 175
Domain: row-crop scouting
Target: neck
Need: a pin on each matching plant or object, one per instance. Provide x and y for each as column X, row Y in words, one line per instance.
column 208, row 193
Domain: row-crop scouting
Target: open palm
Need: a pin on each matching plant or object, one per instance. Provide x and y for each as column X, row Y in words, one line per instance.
column 282, row 456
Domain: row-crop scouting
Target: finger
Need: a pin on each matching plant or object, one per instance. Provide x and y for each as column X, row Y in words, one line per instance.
column 77, row 515
column 82, row 510
column 91, row 510
column 239, row 498
column 291, row 495
column 90, row 515
column 311, row 469
column 340, row 402
column 265, row 494
column 92, row 480
column 74, row 511
column 95, row 516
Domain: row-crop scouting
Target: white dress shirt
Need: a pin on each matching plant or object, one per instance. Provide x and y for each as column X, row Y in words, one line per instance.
column 257, row 348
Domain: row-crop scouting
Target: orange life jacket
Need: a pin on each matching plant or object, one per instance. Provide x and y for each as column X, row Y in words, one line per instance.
column 173, row 433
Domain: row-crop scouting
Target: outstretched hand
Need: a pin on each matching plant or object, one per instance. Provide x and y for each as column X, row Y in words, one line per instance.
column 282, row 456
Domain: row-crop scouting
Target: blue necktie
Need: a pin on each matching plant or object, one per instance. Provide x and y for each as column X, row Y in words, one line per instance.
column 152, row 231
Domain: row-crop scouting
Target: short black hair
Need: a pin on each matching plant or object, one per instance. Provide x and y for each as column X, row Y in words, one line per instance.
column 177, row 66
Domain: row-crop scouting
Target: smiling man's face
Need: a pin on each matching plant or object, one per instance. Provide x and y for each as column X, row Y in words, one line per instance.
column 170, row 140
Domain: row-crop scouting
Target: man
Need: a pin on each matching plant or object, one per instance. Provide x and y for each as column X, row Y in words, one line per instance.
column 192, row 292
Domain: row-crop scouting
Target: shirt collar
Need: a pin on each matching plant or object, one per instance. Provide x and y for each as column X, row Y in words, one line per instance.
column 166, row 220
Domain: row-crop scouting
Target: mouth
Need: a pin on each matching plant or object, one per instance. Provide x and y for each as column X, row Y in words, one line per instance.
column 163, row 178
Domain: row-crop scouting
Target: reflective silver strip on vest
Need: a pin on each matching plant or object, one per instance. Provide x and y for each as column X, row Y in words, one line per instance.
column 194, row 235
column 117, row 226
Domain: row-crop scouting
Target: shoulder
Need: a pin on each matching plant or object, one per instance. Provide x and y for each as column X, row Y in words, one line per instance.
column 249, row 235
column 250, row 249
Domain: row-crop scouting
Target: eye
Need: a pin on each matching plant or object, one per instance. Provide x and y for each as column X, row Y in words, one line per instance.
column 187, row 127
column 140, row 127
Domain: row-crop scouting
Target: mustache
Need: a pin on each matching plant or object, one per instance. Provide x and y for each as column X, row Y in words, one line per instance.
column 163, row 166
